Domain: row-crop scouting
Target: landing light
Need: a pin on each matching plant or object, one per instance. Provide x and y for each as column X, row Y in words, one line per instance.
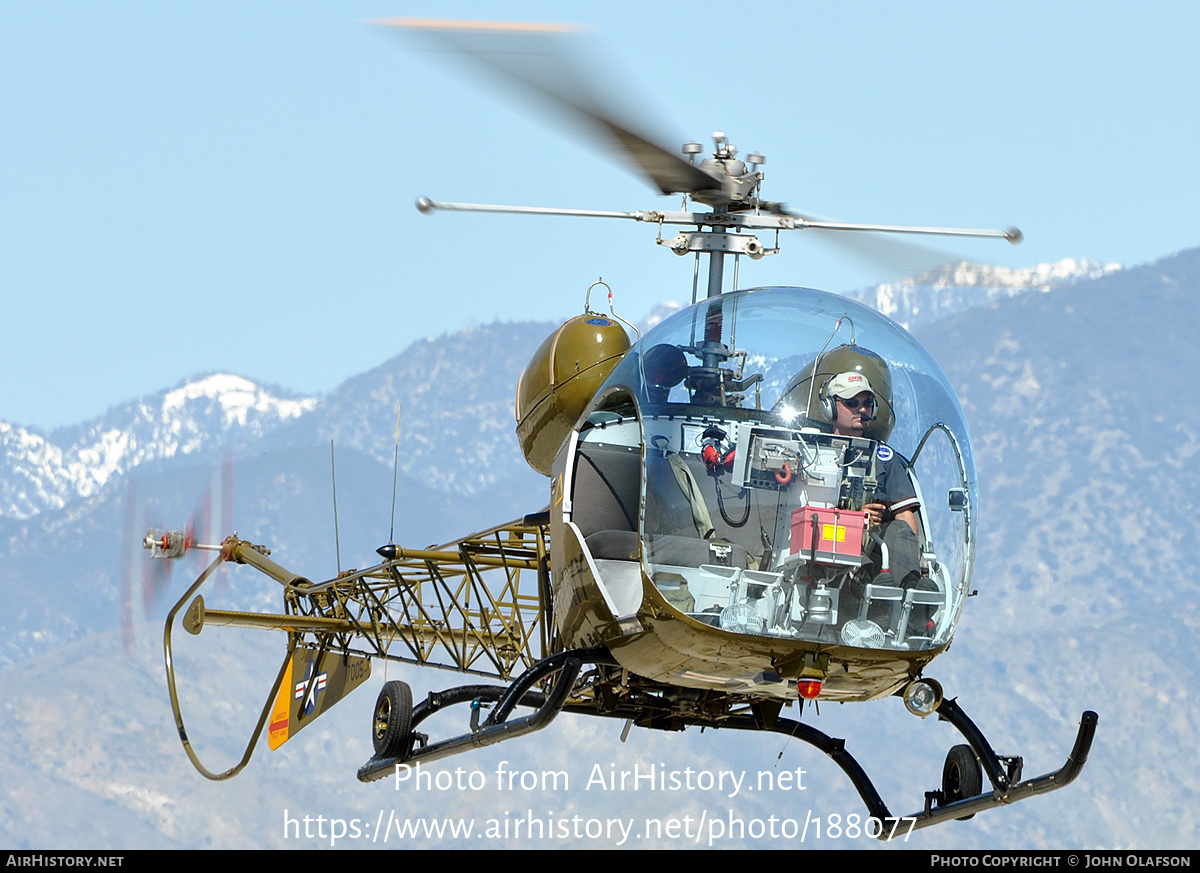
column 809, row 689
column 923, row 697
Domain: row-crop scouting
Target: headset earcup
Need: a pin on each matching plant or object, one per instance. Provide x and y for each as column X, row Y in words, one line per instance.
column 826, row 404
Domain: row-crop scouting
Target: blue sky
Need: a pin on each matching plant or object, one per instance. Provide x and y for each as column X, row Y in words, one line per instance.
column 191, row 187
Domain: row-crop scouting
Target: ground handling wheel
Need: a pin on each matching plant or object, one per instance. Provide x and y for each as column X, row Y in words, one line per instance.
column 391, row 728
column 961, row 776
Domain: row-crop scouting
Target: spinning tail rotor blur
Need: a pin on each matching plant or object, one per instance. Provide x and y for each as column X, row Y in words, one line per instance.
column 149, row 581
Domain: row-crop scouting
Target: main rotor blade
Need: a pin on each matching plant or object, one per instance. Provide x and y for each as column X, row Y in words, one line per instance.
column 902, row 257
column 898, row 256
column 535, row 58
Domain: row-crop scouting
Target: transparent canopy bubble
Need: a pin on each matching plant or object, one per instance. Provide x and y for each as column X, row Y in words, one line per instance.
column 755, row 515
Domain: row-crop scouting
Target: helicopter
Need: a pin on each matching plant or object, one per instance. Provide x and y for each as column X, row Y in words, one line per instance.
column 719, row 543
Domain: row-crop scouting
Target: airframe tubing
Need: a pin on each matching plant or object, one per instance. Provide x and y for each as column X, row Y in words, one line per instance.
column 167, row 655
column 496, row 729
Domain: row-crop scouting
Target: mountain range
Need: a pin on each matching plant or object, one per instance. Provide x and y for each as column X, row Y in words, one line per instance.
column 1074, row 379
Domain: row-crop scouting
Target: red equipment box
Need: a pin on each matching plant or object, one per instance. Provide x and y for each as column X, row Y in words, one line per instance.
column 840, row 535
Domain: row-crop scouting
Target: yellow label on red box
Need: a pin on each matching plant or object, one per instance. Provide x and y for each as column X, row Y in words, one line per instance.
column 831, row 532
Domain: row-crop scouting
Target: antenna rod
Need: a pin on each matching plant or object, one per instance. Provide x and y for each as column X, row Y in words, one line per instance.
column 395, row 476
column 336, row 539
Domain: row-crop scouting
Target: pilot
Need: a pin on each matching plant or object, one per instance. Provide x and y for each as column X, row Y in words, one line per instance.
column 852, row 408
column 850, row 402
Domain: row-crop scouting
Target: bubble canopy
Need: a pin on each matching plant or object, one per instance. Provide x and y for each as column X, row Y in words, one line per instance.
column 755, row 513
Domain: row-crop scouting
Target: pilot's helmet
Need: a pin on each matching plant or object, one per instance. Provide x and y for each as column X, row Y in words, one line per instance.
column 808, row 396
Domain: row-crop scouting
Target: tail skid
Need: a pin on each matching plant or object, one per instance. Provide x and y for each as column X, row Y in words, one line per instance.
column 168, row 656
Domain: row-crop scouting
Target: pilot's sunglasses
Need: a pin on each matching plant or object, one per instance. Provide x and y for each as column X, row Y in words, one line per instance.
column 853, row 403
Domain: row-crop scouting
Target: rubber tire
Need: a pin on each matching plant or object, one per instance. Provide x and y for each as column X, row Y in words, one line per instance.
column 391, row 726
column 961, row 776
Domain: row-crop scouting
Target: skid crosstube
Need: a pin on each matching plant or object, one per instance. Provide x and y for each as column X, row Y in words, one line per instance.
column 497, row 727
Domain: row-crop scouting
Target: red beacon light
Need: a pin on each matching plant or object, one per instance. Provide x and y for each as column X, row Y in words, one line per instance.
column 809, row 689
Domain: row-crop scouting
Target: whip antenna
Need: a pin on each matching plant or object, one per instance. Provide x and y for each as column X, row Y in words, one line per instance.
column 336, row 539
column 395, row 475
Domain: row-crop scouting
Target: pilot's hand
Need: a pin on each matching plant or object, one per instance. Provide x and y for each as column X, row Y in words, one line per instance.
column 875, row 512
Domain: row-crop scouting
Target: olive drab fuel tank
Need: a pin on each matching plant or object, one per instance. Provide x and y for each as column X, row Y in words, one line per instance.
column 561, row 378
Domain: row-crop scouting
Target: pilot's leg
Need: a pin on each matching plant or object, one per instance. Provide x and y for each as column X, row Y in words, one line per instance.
column 904, row 553
column 903, row 571
column 905, row 556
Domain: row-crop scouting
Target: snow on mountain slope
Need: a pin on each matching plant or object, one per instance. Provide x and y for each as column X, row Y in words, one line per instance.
column 937, row 294
column 40, row 472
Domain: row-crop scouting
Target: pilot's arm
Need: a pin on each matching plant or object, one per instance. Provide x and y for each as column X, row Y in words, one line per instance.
column 876, row 512
column 895, row 492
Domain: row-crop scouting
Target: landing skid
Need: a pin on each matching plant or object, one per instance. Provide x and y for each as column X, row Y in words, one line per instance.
column 1003, row 773
column 960, row 797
